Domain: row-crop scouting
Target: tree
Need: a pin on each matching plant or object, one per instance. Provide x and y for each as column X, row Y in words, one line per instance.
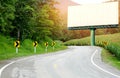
column 7, row 9
column 46, row 19
column 23, row 16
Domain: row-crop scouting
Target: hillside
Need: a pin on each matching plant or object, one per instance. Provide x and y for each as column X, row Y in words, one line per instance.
column 110, row 38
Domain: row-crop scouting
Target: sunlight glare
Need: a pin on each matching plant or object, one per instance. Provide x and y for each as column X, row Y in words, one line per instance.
column 89, row 1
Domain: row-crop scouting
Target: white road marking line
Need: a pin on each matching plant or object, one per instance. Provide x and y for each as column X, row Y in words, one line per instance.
column 100, row 67
column 5, row 66
column 1, row 70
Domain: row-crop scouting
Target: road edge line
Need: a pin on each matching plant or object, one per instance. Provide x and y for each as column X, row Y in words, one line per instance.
column 5, row 66
column 92, row 57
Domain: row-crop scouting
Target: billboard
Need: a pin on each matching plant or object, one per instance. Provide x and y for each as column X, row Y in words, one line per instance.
column 103, row 15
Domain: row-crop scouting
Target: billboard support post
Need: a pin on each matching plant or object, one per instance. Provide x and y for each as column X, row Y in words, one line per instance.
column 105, row 16
column 92, row 36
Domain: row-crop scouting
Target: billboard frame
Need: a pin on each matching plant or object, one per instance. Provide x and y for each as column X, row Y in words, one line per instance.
column 78, row 14
column 92, row 28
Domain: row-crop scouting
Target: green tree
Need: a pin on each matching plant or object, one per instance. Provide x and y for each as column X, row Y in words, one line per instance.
column 7, row 9
column 23, row 17
column 45, row 20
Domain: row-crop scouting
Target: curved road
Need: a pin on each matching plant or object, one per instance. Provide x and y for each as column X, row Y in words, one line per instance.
column 75, row 62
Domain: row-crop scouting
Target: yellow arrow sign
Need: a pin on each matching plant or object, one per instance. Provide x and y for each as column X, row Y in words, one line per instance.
column 35, row 43
column 17, row 44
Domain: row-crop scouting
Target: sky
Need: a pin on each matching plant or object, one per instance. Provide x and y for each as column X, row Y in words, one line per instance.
column 89, row 1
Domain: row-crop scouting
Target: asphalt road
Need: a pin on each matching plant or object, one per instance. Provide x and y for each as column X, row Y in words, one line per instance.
column 75, row 62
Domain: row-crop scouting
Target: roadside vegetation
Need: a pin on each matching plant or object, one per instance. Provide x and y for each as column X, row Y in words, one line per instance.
column 29, row 21
column 110, row 43
column 41, row 21
column 110, row 59
column 8, row 51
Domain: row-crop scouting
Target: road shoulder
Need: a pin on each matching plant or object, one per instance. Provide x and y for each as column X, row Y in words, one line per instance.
column 98, row 61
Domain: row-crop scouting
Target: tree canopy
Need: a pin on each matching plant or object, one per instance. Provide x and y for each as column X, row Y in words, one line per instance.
column 35, row 19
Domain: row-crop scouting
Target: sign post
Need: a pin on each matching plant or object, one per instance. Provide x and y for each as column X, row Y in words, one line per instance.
column 53, row 44
column 34, row 49
column 35, row 43
column 16, row 50
column 17, row 45
column 46, row 44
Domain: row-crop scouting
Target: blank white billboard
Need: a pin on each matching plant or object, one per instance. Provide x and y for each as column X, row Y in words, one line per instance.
column 93, row 15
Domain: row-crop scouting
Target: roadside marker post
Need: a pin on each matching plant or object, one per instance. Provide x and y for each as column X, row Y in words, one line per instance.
column 16, row 49
column 34, row 49
column 46, row 44
column 53, row 45
column 46, row 49
column 17, row 45
column 35, row 44
column 53, row 48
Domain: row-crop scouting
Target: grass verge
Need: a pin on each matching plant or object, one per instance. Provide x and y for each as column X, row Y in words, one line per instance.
column 110, row 59
column 8, row 51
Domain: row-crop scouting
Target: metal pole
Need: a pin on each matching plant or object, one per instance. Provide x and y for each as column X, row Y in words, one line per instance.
column 16, row 50
column 53, row 48
column 92, row 36
column 46, row 49
column 34, row 49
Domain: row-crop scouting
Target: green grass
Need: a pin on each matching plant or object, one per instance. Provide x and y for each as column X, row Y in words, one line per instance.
column 115, row 38
column 110, row 59
column 109, row 42
column 8, row 51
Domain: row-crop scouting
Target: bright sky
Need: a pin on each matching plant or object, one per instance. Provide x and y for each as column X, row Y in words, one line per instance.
column 89, row 1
